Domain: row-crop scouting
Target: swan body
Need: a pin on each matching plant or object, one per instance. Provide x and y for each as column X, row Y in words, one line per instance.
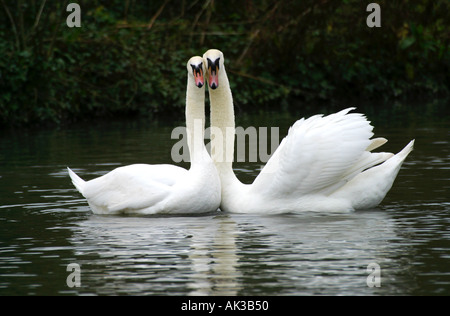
column 162, row 189
column 324, row 164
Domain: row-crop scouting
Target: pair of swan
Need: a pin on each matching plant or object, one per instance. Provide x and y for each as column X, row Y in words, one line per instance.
column 163, row 188
column 324, row 164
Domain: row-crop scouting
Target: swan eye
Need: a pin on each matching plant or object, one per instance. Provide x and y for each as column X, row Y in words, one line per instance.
column 197, row 69
column 213, row 66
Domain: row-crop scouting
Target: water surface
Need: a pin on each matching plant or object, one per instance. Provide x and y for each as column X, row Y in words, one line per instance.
column 46, row 224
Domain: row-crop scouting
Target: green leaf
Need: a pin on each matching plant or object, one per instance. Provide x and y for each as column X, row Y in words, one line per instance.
column 406, row 42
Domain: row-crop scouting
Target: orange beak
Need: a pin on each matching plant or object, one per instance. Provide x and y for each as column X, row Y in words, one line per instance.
column 198, row 75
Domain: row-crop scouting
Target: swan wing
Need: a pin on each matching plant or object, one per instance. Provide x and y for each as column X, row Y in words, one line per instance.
column 367, row 189
column 132, row 187
column 318, row 153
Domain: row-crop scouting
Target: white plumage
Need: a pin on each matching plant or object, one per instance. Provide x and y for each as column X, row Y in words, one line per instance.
column 162, row 189
column 325, row 163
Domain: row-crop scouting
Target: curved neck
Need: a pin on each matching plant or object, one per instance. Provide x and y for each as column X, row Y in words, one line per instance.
column 222, row 128
column 195, row 120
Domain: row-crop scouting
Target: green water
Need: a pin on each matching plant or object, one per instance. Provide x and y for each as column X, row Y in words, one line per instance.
column 47, row 225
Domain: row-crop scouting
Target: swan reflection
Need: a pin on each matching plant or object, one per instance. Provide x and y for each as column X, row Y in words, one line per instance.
column 158, row 255
column 239, row 254
column 214, row 260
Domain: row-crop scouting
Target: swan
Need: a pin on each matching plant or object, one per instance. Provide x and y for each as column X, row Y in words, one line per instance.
column 163, row 188
column 324, row 164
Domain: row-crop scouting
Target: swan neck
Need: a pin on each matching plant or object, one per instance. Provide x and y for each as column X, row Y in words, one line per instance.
column 195, row 120
column 222, row 140
column 222, row 124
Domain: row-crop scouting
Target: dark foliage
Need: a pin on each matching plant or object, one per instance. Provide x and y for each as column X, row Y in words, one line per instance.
column 128, row 57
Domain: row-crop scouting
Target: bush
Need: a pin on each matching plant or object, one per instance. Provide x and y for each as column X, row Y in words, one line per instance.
column 129, row 57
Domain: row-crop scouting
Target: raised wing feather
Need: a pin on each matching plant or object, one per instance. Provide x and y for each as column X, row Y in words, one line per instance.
column 316, row 154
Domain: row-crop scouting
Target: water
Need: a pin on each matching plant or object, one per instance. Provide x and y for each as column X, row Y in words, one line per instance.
column 46, row 224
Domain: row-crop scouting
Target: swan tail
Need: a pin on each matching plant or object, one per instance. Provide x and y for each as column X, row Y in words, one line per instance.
column 405, row 151
column 369, row 188
column 76, row 180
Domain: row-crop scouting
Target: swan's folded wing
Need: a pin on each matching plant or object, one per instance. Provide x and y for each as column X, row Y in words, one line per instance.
column 132, row 187
column 316, row 153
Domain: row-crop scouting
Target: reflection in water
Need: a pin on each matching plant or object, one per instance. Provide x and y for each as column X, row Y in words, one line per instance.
column 315, row 254
column 46, row 225
column 214, row 261
column 196, row 253
column 237, row 254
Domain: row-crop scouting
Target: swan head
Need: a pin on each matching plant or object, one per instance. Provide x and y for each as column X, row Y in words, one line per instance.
column 213, row 59
column 196, row 68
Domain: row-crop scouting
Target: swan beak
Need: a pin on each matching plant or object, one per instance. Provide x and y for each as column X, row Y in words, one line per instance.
column 198, row 75
column 213, row 70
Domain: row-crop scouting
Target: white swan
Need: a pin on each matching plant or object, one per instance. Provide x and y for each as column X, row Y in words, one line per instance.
column 323, row 164
column 163, row 189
